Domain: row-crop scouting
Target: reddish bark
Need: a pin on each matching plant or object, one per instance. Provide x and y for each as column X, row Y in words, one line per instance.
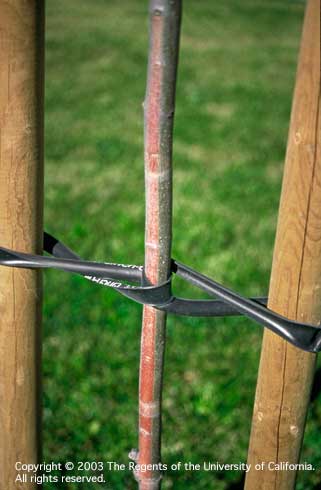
column 159, row 115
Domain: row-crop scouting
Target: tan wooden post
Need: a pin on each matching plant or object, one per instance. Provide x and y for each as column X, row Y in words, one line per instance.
column 286, row 373
column 21, row 203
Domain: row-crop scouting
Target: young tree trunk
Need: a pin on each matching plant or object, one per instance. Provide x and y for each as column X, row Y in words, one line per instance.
column 286, row 373
column 21, row 196
column 159, row 105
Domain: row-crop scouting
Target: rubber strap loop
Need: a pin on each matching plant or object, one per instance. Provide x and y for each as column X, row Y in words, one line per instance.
column 128, row 280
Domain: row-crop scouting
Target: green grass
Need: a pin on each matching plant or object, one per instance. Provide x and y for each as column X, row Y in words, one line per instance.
column 236, row 77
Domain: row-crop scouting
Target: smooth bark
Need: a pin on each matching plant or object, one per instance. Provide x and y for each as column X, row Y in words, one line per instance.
column 159, row 106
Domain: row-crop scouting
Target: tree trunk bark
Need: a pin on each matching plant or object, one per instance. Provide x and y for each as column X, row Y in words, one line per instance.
column 159, row 105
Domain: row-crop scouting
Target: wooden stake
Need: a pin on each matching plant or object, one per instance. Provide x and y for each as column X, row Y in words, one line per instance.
column 286, row 373
column 21, row 203
column 159, row 116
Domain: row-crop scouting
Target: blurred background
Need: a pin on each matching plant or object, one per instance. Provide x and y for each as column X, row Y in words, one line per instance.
column 235, row 83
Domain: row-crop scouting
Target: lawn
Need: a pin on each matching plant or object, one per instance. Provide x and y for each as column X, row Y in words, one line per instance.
column 236, row 77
